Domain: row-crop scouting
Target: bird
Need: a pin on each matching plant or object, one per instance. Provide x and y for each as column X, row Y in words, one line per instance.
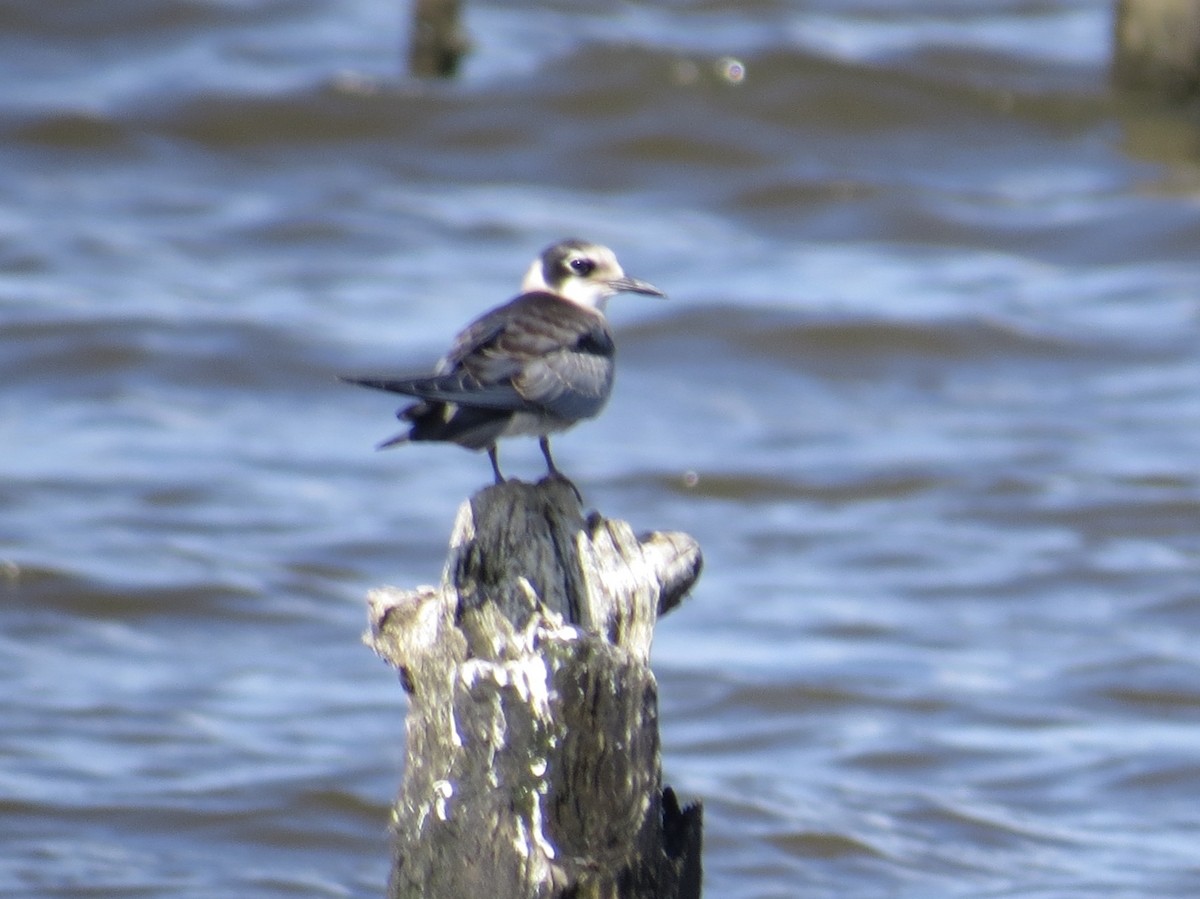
column 535, row 365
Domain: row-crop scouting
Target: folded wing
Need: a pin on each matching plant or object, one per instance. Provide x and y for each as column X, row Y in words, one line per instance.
column 536, row 354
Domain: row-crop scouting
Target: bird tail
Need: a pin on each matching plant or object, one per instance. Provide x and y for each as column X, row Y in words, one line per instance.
column 393, row 441
column 455, row 387
column 406, row 386
column 437, row 416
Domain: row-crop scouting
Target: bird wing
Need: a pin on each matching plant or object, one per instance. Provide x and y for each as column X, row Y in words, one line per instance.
column 537, row 353
column 458, row 387
column 555, row 356
column 570, row 384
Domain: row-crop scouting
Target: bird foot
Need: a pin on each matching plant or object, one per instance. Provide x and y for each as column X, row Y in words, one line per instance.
column 556, row 475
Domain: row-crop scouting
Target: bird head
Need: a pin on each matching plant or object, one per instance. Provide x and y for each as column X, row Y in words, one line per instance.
column 583, row 273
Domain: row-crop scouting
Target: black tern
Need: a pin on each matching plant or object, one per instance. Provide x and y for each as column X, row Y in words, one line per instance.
column 534, row 366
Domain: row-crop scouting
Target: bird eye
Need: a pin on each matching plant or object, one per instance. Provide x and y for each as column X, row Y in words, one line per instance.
column 582, row 267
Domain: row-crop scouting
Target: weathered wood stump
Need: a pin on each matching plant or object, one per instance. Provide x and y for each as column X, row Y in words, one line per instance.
column 1157, row 45
column 532, row 765
column 436, row 42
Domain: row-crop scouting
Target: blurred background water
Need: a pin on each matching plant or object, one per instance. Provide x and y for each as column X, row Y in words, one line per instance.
column 925, row 389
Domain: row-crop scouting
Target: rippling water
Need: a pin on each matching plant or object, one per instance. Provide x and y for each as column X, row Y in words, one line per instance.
column 926, row 391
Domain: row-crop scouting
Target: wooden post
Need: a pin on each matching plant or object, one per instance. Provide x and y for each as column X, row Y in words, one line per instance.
column 532, row 765
column 1157, row 45
column 436, row 42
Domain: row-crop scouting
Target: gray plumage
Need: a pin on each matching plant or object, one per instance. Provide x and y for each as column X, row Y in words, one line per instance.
column 536, row 365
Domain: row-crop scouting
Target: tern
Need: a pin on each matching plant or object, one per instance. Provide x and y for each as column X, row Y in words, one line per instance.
column 536, row 365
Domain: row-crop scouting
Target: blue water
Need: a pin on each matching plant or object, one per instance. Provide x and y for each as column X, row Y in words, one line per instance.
column 925, row 390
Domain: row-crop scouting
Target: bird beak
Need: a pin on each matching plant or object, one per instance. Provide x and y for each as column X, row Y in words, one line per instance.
column 633, row 285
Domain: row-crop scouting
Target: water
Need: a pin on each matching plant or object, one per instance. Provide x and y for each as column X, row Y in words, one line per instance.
column 925, row 391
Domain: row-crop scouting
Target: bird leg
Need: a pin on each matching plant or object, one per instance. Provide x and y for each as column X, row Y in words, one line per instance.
column 495, row 464
column 544, row 443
